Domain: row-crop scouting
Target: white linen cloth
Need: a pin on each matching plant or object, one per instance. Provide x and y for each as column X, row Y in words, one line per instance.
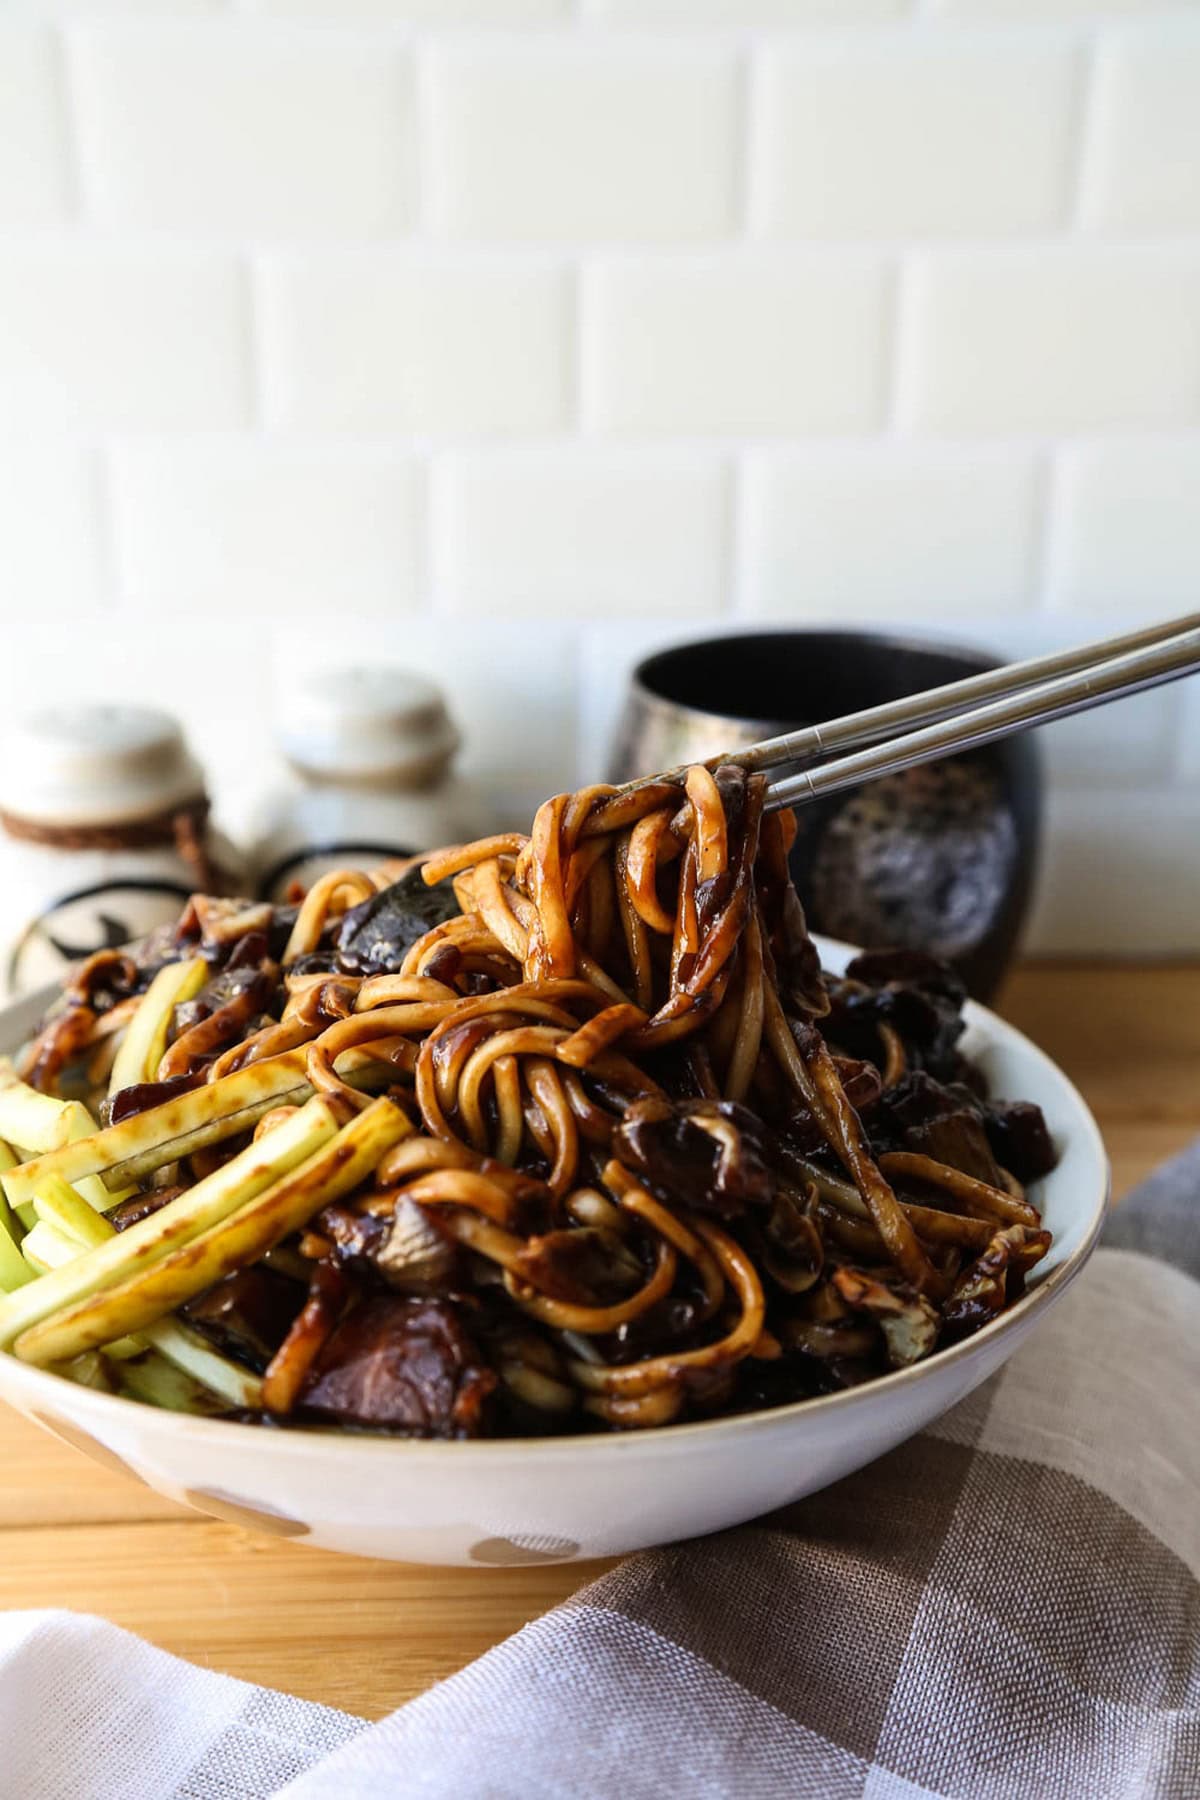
column 1007, row 1608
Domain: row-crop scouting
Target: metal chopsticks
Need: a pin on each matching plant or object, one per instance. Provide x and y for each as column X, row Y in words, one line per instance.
column 1096, row 674
column 913, row 711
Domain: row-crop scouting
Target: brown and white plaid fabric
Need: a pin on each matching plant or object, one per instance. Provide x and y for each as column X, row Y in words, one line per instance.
column 1006, row 1608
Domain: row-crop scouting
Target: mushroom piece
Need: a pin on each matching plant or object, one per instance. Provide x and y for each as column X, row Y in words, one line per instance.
column 825, row 1328
column 842, row 1340
column 247, row 1314
column 920, row 997
column 799, row 1133
column 1020, row 1138
column 704, row 1154
column 415, row 1256
column 585, row 1266
column 402, row 1365
column 792, row 1251
column 373, row 937
column 406, row 1249
column 983, row 1288
column 908, row 1322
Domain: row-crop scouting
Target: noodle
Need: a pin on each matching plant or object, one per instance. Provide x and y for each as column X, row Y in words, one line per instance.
column 635, row 1184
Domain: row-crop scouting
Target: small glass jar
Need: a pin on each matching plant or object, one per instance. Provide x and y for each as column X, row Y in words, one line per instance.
column 369, row 754
column 103, row 835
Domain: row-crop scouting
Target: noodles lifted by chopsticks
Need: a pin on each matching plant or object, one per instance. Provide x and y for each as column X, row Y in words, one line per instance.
column 638, row 1159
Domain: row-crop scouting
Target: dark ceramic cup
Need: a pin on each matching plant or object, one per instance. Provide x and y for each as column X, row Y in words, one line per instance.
column 940, row 858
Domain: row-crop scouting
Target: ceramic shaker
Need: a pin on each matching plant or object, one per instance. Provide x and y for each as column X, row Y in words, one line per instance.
column 103, row 835
column 368, row 755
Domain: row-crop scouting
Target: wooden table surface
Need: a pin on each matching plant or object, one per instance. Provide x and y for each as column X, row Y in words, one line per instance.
column 368, row 1635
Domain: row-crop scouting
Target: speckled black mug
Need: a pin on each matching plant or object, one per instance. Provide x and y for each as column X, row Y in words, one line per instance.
column 939, row 858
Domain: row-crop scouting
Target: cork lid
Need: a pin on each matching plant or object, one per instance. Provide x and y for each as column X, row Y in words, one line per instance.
column 95, row 765
column 380, row 724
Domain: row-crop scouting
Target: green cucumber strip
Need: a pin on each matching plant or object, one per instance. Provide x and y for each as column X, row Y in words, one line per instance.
column 206, row 1204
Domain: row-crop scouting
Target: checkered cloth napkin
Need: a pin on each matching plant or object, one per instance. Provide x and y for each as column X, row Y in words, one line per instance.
column 1006, row 1606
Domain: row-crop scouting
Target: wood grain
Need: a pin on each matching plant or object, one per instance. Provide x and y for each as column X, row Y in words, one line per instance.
column 368, row 1635
column 1129, row 1037
column 348, row 1632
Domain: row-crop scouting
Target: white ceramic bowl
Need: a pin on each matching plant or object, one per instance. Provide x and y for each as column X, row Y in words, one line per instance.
column 555, row 1500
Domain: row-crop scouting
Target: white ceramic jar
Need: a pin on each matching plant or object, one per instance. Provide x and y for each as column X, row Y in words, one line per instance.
column 368, row 754
column 103, row 835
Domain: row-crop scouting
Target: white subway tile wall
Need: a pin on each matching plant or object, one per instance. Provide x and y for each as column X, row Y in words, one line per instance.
column 1145, row 170
column 1055, row 339
column 267, row 132
column 34, row 186
column 223, row 529
column 938, row 135
column 516, row 338
column 396, row 342
column 620, row 531
column 427, row 12
column 1129, row 526
column 49, row 532
column 170, row 9
column 562, row 141
column 103, row 337
column 743, row 12
column 1049, row 9
column 942, row 533
column 1110, row 859
column 688, row 345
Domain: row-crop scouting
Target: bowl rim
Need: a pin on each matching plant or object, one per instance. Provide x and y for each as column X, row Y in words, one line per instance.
column 315, row 1439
